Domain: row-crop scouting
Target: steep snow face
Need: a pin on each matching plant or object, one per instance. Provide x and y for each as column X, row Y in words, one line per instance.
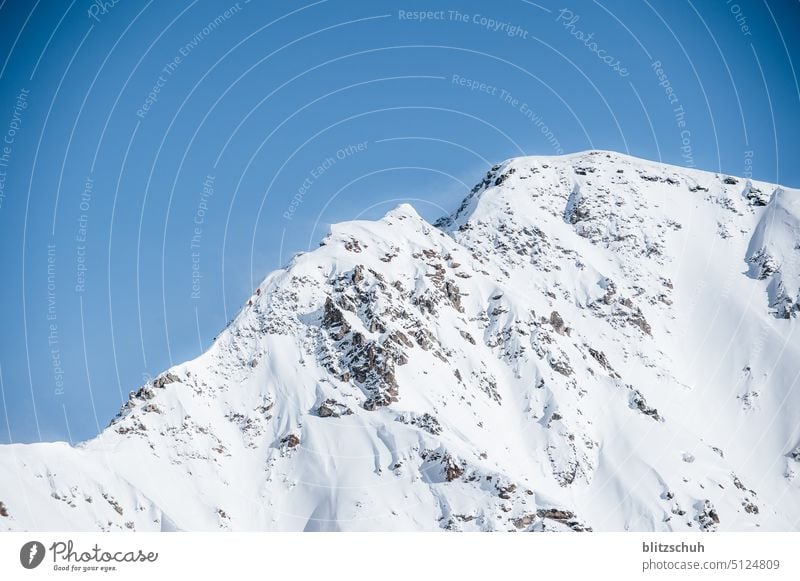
column 774, row 252
column 589, row 342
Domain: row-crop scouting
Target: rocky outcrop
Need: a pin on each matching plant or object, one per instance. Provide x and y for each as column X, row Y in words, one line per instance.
column 331, row 408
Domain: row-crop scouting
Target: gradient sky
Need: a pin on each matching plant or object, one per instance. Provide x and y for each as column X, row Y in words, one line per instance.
column 131, row 128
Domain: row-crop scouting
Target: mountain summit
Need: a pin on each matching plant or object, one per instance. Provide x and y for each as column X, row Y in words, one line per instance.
column 589, row 342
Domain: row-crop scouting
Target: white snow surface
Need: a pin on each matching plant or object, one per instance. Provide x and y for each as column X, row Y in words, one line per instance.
column 590, row 342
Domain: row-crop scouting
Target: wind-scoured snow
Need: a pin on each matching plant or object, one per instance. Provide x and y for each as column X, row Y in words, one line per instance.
column 589, row 342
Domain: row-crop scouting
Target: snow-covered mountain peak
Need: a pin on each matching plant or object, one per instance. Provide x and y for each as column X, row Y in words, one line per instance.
column 556, row 354
column 402, row 212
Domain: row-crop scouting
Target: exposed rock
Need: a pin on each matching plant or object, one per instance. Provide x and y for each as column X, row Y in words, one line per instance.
column 358, row 274
column 637, row 318
column 452, row 470
column 557, row 322
column 113, row 502
column 453, row 295
column 707, row 516
column 331, row 408
column 766, row 263
column 564, row 517
column 749, row 508
column 524, row 521
column 290, row 441
column 467, row 336
column 600, row 357
column 503, row 177
column 640, row 403
column 560, row 363
column 352, row 245
column 424, row 421
column 756, row 197
column 334, row 320
column 165, row 379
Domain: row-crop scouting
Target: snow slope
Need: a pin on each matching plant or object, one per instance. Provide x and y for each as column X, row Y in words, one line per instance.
column 590, row 341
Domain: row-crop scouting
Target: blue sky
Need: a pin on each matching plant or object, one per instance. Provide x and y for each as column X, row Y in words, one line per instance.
column 159, row 158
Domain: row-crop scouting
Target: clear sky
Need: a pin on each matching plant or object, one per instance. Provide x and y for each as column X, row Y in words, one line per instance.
column 160, row 158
